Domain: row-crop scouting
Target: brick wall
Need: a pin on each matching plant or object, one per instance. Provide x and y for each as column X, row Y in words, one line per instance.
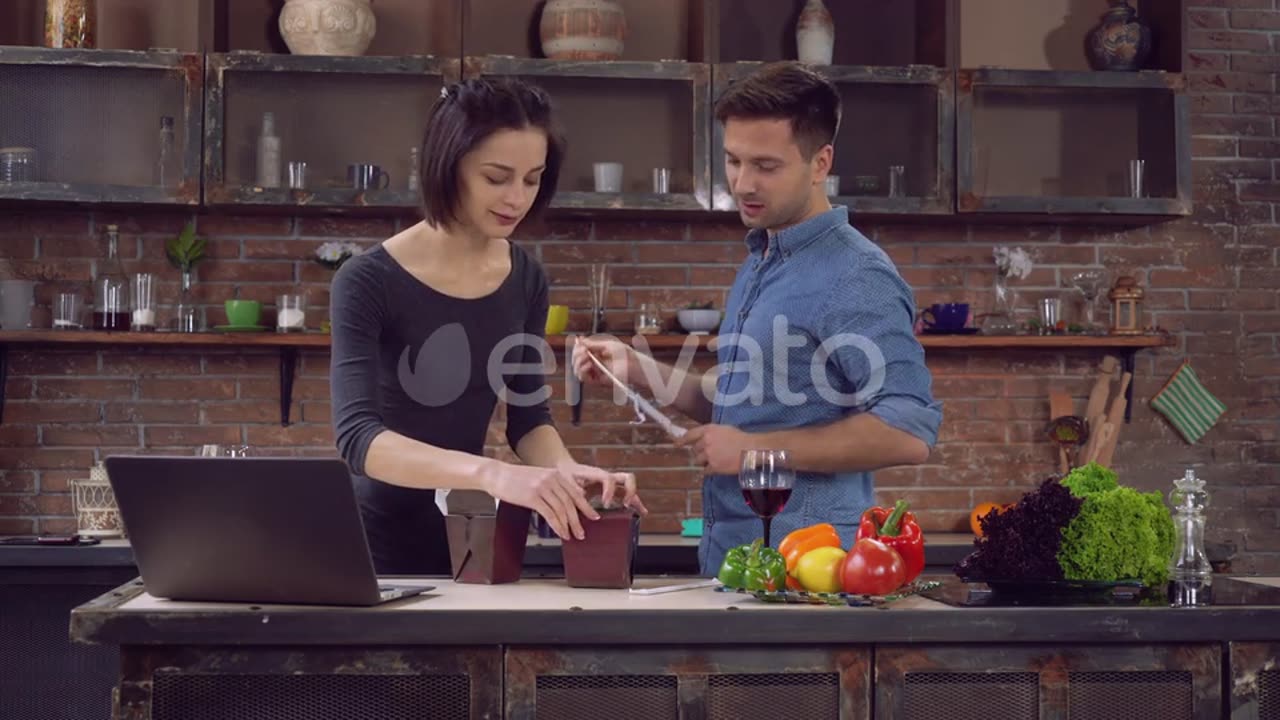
column 1212, row 280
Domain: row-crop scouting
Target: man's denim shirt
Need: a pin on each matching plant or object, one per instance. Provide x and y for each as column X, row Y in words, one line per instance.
column 821, row 282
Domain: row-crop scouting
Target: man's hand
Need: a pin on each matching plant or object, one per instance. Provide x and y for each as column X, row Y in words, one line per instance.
column 718, row 448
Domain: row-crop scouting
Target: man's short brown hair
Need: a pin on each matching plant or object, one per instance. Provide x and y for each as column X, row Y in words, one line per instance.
column 467, row 113
column 786, row 91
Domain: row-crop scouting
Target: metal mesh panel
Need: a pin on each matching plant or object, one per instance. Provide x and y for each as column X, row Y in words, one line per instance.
column 1133, row 695
column 90, row 125
column 972, row 696
column 742, row 697
column 43, row 676
column 178, row 696
column 1269, row 695
column 618, row 697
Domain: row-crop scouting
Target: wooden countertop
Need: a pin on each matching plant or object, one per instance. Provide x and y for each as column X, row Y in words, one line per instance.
column 550, row 612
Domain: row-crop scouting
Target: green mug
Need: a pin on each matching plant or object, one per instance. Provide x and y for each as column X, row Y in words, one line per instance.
column 243, row 313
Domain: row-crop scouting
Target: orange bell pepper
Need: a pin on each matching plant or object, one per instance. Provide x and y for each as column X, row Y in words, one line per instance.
column 801, row 541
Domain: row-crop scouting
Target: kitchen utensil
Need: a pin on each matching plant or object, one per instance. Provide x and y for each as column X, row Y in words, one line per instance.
column 1115, row 418
column 644, row 406
column 662, row 589
column 766, row 479
column 1096, row 406
column 1059, row 407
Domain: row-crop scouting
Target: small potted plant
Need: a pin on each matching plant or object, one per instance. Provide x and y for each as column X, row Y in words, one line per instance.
column 698, row 318
column 333, row 255
column 605, row 557
column 185, row 252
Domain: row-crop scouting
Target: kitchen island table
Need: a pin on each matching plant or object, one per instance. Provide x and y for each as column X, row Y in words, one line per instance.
column 539, row 649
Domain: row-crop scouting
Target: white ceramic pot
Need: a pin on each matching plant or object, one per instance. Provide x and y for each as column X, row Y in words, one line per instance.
column 698, row 322
column 328, row 27
column 815, row 34
column 583, row 29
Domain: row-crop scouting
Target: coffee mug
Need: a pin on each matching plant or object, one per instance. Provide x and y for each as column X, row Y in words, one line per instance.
column 364, row 176
column 946, row 316
column 243, row 313
column 557, row 319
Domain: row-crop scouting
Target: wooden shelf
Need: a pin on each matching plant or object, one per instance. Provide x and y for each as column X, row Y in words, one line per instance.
column 268, row 338
column 289, row 344
column 1046, row 342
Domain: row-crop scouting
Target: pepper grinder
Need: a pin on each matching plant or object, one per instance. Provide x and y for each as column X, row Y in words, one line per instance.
column 1190, row 573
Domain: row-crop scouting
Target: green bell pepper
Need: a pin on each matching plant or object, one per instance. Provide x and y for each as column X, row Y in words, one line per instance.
column 753, row 567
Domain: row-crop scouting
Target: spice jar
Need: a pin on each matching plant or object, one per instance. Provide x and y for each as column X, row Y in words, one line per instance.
column 70, row 24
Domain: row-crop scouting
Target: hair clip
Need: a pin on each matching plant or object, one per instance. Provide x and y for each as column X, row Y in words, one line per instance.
column 444, row 91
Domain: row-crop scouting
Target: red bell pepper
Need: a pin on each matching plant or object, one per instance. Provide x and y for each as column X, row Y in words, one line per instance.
column 896, row 528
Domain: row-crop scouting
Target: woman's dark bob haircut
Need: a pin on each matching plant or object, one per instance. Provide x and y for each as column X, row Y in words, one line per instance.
column 463, row 117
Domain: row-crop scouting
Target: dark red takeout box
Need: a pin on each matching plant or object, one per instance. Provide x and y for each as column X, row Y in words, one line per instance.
column 486, row 546
column 605, row 558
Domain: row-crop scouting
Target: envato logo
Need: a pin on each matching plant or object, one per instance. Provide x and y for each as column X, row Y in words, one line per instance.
column 440, row 372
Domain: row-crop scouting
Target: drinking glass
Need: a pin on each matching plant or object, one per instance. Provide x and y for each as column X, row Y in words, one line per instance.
column 766, row 479
column 1089, row 284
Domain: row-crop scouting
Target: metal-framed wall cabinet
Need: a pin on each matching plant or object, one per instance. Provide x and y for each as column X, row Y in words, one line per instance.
column 100, row 126
column 335, row 114
column 893, row 117
column 642, row 116
column 1072, row 143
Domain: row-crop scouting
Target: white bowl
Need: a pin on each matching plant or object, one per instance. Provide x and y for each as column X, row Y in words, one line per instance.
column 698, row 322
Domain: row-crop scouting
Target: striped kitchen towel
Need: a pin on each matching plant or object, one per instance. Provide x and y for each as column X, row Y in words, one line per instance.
column 1187, row 405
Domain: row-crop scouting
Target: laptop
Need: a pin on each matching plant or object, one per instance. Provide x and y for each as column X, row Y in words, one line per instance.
column 248, row 530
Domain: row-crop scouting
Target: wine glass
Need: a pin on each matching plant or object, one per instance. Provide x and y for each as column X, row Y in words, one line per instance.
column 766, row 480
column 1089, row 284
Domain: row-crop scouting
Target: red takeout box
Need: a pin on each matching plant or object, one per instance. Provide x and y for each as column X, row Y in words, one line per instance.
column 605, row 558
column 486, row 545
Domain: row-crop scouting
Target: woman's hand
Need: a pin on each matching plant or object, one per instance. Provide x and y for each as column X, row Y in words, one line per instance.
column 614, row 354
column 609, row 482
column 559, row 494
column 555, row 494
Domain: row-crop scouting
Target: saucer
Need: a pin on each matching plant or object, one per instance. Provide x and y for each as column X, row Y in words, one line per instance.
column 240, row 328
column 959, row 331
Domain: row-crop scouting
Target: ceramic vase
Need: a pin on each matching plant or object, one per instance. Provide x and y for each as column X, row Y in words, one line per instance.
column 1121, row 41
column 815, row 34
column 583, row 30
column 327, row 27
column 70, row 23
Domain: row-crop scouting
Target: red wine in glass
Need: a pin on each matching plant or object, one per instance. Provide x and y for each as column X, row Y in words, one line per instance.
column 766, row 479
column 766, row 502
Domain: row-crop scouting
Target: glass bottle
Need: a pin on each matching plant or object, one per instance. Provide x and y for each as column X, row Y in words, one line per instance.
column 111, row 288
column 269, row 168
column 415, row 169
column 166, row 175
column 185, row 314
column 1190, row 573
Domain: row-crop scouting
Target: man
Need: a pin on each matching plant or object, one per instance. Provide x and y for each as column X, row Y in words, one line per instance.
column 816, row 355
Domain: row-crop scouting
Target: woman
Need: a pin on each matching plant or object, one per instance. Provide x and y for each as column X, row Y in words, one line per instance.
column 427, row 331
